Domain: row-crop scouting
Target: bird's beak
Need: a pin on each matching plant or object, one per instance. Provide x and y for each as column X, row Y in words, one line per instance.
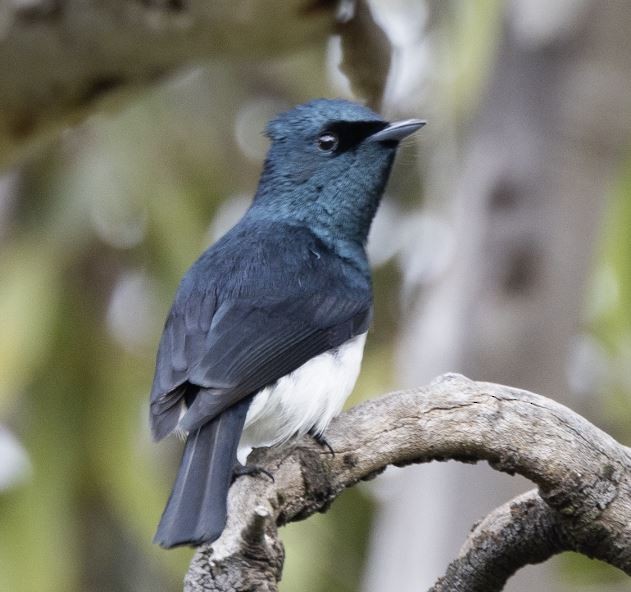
column 397, row 131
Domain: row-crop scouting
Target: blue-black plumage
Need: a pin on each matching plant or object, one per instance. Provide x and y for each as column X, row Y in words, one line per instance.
column 265, row 336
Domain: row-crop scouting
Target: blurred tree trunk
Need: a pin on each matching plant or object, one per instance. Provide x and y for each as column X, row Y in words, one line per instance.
column 543, row 151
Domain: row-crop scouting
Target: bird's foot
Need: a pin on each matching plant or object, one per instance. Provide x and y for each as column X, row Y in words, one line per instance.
column 252, row 470
column 322, row 441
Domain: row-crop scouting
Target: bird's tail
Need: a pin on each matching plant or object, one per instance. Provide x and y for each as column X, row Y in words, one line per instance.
column 196, row 510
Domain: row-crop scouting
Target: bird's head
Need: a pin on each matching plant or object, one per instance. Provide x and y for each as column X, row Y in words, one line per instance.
column 328, row 165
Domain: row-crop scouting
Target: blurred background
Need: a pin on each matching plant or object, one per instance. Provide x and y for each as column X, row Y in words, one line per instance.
column 500, row 251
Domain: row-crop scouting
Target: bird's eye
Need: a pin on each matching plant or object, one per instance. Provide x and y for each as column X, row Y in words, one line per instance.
column 327, row 142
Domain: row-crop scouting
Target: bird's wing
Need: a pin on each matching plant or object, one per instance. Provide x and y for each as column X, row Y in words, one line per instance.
column 181, row 347
column 248, row 344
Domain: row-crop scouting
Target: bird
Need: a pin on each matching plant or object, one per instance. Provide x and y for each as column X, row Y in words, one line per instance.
column 265, row 336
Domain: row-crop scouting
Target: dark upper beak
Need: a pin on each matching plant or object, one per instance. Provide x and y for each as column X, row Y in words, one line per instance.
column 397, row 131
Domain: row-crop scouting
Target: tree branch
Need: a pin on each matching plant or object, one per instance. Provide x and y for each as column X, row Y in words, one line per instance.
column 584, row 478
column 521, row 532
column 58, row 58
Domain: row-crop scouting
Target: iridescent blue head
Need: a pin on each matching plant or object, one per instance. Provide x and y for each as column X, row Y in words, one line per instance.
column 327, row 167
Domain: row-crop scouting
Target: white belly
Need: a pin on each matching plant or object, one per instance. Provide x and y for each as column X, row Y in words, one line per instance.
column 307, row 399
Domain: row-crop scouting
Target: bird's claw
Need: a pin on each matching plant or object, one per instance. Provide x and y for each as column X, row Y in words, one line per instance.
column 251, row 470
column 322, row 441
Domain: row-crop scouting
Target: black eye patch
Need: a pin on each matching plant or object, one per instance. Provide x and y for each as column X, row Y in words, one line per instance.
column 352, row 133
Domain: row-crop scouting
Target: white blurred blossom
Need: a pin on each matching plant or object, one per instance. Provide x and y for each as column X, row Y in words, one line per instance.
column 250, row 123
column 428, row 249
column 15, row 464
column 228, row 214
column 587, row 366
column 132, row 314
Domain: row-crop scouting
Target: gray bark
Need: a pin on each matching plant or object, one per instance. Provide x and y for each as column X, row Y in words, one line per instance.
column 59, row 58
column 583, row 476
column 553, row 127
column 62, row 60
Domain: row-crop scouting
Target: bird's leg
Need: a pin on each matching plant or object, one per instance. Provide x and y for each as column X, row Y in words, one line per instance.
column 322, row 441
column 253, row 470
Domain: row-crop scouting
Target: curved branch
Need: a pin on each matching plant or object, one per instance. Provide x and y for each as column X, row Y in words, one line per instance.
column 59, row 57
column 584, row 479
column 521, row 532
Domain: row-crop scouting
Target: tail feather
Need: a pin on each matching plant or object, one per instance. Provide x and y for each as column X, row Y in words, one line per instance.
column 197, row 508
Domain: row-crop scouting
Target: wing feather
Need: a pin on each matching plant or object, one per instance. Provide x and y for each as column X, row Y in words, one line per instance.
column 219, row 347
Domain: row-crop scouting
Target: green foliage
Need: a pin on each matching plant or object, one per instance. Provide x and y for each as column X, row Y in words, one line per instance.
column 611, row 310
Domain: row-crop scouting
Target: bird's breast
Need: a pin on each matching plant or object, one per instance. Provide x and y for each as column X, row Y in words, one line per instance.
column 305, row 400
